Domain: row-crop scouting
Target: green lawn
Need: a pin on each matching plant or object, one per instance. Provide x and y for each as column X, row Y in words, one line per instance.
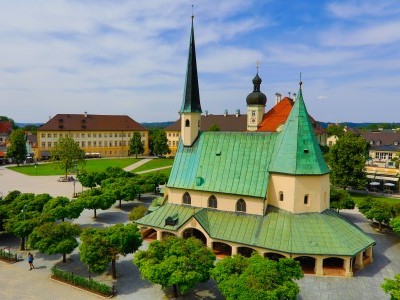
column 91, row 165
column 154, row 164
column 357, row 198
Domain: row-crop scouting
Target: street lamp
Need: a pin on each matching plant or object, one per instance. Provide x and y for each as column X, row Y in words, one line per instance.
column 73, row 182
column 35, row 169
column 23, row 213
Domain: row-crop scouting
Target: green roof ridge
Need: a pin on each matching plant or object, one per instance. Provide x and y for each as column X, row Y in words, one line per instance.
column 297, row 151
column 191, row 97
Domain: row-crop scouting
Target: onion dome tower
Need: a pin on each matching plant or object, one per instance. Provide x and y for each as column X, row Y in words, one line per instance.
column 256, row 102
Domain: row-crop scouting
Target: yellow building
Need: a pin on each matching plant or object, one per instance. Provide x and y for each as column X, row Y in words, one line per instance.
column 97, row 135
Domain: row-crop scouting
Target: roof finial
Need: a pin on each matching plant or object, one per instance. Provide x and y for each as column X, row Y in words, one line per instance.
column 192, row 13
column 258, row 63
column 300, row 83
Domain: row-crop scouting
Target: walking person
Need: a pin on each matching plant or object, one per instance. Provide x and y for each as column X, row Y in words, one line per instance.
column 30, row 261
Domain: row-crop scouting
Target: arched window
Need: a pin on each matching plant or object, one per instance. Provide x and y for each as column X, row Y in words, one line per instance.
column 281, row 196
column 241, row 205
column 187, row 123
column 186, row 198
column 306, row 199
column 212, row 201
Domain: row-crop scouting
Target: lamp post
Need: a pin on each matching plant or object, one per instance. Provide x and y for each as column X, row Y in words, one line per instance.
column 24, row 238
column 73, row 182
column 35, row 169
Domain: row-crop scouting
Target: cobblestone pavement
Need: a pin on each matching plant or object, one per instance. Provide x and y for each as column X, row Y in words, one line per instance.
column 17, row 282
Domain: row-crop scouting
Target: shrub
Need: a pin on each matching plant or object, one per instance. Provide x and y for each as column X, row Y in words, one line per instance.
column 137, row 213
column 82, row 282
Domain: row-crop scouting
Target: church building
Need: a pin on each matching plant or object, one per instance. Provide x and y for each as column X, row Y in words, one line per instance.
column 268, row 192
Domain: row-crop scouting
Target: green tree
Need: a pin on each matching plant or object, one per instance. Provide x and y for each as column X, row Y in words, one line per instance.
column 137, row 213
column 51, row 238
column 392, row 287
column 340, row 199
column 112, row 241
column 96, row 199
column 365, row 204
column 214, row 127
column 136, row 145
column 67, row 154
column 396, row 159
column 17, row 149
column 257, row 278
column 347, row 160
column 87, row 179
column 334, row 129
column 176, row 262
column 395, row 224
column 160, row 143
column 61, row 208
column 380, row 212
column 121, row 188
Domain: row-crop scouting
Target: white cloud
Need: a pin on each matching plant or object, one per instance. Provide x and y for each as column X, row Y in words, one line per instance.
column 366, row 8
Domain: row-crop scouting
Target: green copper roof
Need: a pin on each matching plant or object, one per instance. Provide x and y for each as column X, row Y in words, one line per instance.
column 298, row 151
column 191, row 97
column 326, row 233
column 227, row 162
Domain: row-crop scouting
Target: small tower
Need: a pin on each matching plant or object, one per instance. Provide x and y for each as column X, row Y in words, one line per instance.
column 255, row 104
column 191, row 108
column 299, row 180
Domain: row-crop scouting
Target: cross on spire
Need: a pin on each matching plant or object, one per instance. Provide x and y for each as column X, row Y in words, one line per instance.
column 258, row 63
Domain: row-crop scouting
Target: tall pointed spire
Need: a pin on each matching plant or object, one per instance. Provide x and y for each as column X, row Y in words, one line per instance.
column 191, row 97
column 297, row 151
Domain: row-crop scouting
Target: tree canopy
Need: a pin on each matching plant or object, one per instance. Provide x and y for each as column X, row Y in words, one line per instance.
column 160, row 143
column 24, row 213
column 17, row 148
column 136, row 145
column 61, row 208
column 340, row 199
column 101, row 246
column 334, row 129
column 51, row 238
column 392, row 287
column 176, row 262
column 96, row 199
column 347, row 160
column 257, row 278
column 66, row 154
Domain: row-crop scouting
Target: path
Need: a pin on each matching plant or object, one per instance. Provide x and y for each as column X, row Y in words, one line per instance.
column 137, row 165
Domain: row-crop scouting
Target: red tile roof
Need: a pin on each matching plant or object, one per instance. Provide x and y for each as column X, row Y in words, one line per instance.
column 78, row 122
column 276, row 116
column 5, row 126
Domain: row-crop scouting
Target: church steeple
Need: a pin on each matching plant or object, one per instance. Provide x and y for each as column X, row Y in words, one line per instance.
column 191, row 97
column 191, row 108
column 297, row 151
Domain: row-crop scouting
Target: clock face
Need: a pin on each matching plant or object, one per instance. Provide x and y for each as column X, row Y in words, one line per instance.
column 253, row 120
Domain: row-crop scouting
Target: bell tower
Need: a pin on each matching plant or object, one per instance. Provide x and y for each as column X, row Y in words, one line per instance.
column 191, row 108
column 256, row 102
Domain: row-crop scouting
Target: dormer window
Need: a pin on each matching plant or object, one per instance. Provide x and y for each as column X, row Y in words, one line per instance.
column 371, row 142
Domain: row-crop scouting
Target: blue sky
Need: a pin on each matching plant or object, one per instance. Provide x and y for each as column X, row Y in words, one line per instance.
column 129, row 57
